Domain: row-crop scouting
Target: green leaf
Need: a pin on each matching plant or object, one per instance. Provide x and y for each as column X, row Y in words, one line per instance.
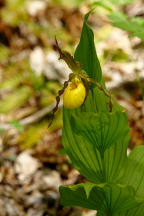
column 70, row 3
column 110, row 5
column 120, row 20
column 17, row 124
column 4, row 53
column 15, row 4
column 87, row 159
column 108, row 199
column 134, row 171
column 15, row 99
column 100, row 129
column 134, row 176
column 86, row 53
column 11, row 83
column 30, row 137
column 135, row 25
column 105, row 4
column 121, row 2
column 115, row 160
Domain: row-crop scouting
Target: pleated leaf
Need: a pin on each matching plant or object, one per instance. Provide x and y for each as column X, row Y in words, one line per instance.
column 134, row 176
column 134, row 171
column 101, row 129
column 137, row 211
column 105, row 198
column 86, row 158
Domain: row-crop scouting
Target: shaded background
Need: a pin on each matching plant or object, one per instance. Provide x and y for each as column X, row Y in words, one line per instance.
column 32, row 163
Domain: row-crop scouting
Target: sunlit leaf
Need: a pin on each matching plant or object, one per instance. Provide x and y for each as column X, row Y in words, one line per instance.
column 11, row 83
column 109, row 199
column 86, row 53
column 134, row 170
column 121, row 2
column 30, row 137
column 134, row 25
column 101, row 129
column 70, row 3
column 15, row 99
column 4, row 53
column 17, row 125
column 134, row 176
column 105, row 4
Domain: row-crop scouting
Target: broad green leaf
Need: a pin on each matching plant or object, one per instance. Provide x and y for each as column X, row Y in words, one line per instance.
column 137, row 211
column 115, row 159
column 134, row 171
column 134, row 176
column 100, row 129
column 86, row 53
column 108, row 199
column 86, row 158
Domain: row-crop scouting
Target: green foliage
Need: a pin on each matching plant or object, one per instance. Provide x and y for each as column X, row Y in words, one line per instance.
column 134, row 25
column 111, row 5
column 133, row 173
column 14, row 12
column 96, row 141
column 70, row 3
column 15, row 99
column 116, row 55
column 4, row 53
column 11, row 83
column 100, row 129
column 118, row 19
column 89, row 59
column 109, row 199
column 121, row 2
column 32, row 135
column 17, row 125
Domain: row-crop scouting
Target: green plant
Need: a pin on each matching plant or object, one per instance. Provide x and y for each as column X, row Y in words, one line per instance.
column 96, row 141
column 118, row 19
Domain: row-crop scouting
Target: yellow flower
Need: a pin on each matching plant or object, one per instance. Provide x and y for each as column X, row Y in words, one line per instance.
column 74, row 95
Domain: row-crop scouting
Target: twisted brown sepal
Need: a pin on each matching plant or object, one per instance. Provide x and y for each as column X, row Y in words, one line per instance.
column 75, row 66
column 60, row 92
